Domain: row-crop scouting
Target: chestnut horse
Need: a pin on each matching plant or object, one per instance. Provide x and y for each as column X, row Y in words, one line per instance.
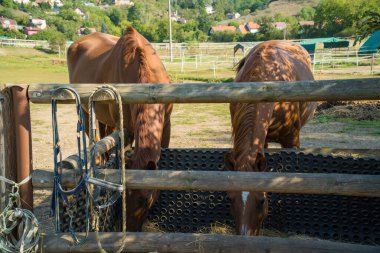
column 256, row 124
column 102, row 58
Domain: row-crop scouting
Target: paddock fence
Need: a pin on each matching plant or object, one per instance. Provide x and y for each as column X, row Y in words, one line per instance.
column 17, row 147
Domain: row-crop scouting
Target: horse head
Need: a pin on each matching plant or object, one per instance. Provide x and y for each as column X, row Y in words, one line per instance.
column 141, row 64
column 248, row 208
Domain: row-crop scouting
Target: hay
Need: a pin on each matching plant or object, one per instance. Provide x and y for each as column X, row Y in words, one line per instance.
column 224, row 229
column 218, row 228
column 150, row 226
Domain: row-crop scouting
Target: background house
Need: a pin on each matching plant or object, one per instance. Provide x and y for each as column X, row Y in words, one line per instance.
column 209, row 9
column 123, row 2
column 279, row 25
column 233, row 15
column 252, row 27
column 7, row 23
column 21, row 1
column 81, row 13
column 38, row 23
column 31, row 30
column 221, row 28
column 242, row 29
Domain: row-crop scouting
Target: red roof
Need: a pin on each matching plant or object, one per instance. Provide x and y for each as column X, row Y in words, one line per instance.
column 252, row 25
column 11, row 21
column 242, row 29
column 221, row 28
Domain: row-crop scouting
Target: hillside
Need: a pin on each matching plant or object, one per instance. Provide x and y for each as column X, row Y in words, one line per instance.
column 284, row 7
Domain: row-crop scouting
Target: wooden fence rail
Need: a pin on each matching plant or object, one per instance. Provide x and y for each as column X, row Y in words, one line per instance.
column 191, row 243
column 305, row 183
column 321, row 90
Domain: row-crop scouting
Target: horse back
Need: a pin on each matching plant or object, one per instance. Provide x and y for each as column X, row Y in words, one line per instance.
column 88, row 56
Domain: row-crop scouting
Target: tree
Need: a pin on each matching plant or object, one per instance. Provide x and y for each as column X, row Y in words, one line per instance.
column 7, row 3
column 225, row 36
column 368, row 25
column 103, row 29
column 115, row 16
column 233, row 23
column 57, row 42
column 10, row 33
column 86, row 31
column 307, row 13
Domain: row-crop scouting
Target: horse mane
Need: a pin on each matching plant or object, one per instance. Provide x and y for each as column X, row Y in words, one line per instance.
column 136, row 50
column 240, row 64
column 133, row 49
column 243, row 120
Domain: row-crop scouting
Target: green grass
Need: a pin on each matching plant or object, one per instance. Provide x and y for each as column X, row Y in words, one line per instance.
column 25, row 66
column 366, row 127
column 323, row 118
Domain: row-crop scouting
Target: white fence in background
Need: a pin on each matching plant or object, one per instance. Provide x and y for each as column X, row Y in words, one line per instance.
column 213, row 59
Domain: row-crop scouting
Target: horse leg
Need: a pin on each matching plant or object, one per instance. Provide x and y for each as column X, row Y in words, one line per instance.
column 166, row 135
column 292, row 140
column 167, row 126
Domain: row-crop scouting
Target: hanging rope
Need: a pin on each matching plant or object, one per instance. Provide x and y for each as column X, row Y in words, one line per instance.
column 92, row 131
column 58, row 191
column 18, row 227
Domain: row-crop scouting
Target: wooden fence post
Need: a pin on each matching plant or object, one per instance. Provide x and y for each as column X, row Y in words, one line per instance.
column 2, row 154
column 8, row 162
column 372, row 63
column 214, row 69
column 182, row 63
column 357, row 60
column 17, row 154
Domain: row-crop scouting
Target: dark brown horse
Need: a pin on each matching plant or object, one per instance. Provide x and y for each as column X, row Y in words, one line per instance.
column 256, row 124
column 102, row 58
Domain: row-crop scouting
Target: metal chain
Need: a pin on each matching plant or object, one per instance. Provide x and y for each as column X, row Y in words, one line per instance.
column 92, row 119
column 58, row 191
column 14, row 220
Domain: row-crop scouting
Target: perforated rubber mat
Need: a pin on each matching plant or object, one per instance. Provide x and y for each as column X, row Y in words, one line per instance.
column 341, row 218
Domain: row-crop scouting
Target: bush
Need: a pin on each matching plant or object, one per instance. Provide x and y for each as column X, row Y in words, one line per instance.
column 11, row 33
column 225, row 36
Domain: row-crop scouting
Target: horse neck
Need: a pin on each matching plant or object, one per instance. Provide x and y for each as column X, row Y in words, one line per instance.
column 148, row 128
column 250, row 123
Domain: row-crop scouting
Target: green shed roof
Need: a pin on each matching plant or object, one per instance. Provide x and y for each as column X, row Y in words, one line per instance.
column 321, row 40
column 371, row 45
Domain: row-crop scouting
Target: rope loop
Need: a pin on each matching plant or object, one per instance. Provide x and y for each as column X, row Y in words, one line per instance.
column 19, row 228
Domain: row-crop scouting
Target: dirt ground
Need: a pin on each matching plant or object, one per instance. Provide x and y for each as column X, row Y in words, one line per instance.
column 208, row 127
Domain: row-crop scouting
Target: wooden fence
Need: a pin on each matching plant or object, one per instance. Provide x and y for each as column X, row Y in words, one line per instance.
column 327, row 90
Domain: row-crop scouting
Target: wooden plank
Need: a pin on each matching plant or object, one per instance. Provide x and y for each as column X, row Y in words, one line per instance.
column 305, row 183
column 310, row 90
column 10, row 160
column 191, row 243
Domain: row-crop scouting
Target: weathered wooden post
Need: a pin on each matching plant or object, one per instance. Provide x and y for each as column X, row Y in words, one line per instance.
column 182, row 63
column 2, row 154
column 17, row 154
column 372, row 63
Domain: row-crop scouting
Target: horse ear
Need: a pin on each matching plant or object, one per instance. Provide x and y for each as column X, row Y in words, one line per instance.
column 229, row 162
column 261, row 162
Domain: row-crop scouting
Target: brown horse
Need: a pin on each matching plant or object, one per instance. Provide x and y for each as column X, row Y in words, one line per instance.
column 256, row 124
column 102, row 58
